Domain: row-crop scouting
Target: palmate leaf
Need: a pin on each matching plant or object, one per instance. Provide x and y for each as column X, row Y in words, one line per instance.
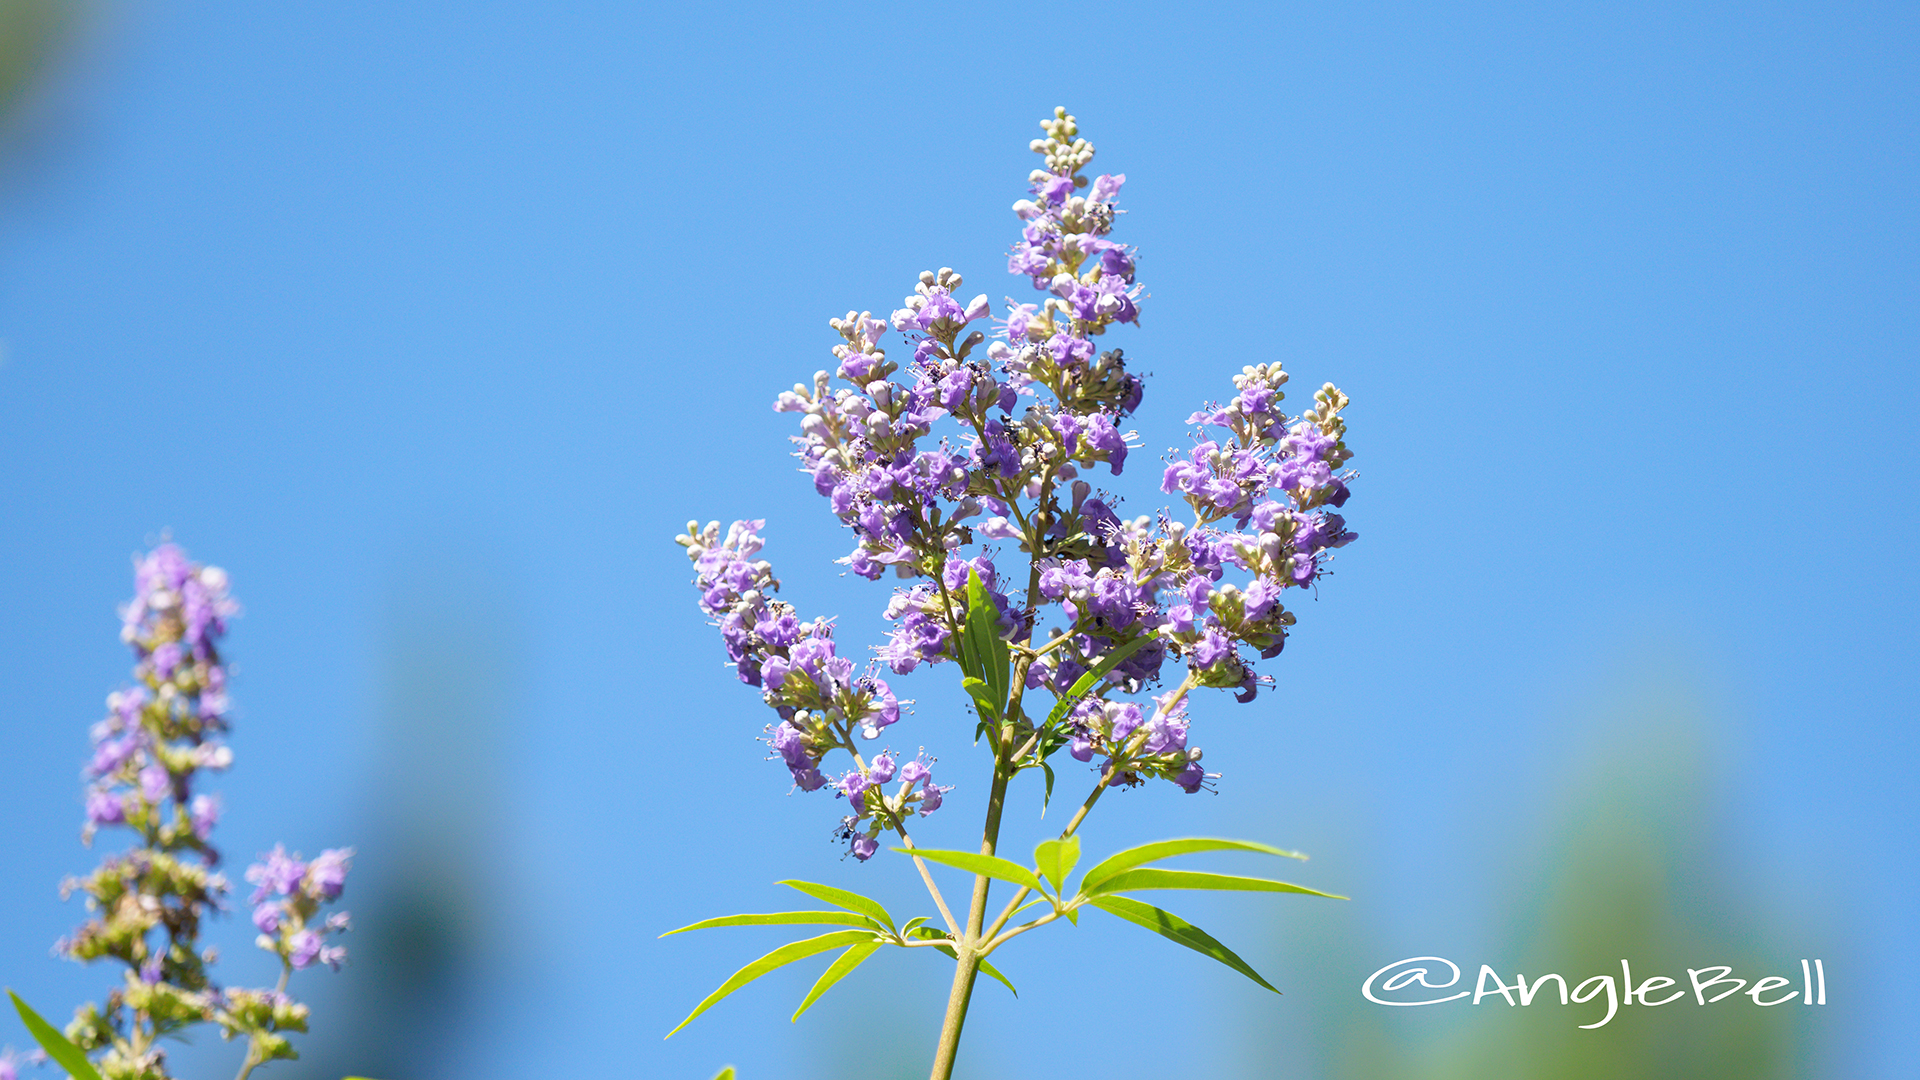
column 784, row 918
column 1056, row 859
column 785, row 954
column 1176, row 929
column 852, row 901
column 1166, row 849
column 841, row 967
column 928, row 933
column 64, row 1053
column 1156, row 878
column 973, row 862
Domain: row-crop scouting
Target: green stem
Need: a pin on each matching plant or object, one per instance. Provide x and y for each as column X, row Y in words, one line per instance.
column 967, row 954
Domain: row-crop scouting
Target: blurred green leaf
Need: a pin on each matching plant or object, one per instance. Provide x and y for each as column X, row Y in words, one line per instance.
column 1176, row 929
column 852, row 901
column 1056, row 859
column 783, row 918
column 1155, row 878
column 1165, row 849
column 724, row 1074
column 842, row 966
column 785, row 954
column 972, row 861
column 64, row 1053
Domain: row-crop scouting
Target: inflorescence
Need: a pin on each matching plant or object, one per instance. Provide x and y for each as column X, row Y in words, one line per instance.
column 147, row 903
column 1031, row 411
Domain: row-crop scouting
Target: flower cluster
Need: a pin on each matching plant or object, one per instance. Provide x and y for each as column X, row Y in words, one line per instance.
column 1031, row 412
column 288, row 894
column 159, row 733
column 822, row 700
column 148, row 902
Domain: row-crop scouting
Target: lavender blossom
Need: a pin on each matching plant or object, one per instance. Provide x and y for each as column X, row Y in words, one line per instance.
column 148, row 753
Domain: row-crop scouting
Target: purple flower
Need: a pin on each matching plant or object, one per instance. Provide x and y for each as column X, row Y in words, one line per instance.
column 104, row 808
column 327, row 875
column 155, row 782
column 881, row 770
column 277, row 873
column 205, row 813
column 267, row 917
column 303, row 948
column 864, row 847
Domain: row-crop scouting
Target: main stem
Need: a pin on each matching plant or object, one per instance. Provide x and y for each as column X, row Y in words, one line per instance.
column 966, row 950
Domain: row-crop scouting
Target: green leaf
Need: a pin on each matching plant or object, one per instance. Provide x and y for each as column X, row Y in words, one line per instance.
column 989, row 969
column 1156, row 878
column 983, row 639
column 724, row 1074
column 914, row 924
column 1056, row 859
column 1164, row 849
column 842, row 898
column 785, row 954
column 842, row 966
column 983, row 699
column 64, row 1053
column 783, row 918
column 928, row 933
column 1048, row 797
column 1174, row 928
column 1099, row 671
column 973, row 862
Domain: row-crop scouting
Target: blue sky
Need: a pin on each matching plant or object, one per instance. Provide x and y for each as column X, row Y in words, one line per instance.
column 433, row 325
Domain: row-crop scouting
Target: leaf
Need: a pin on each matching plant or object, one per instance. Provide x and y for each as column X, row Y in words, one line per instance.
column 852, row 901
column 1056, row 859
column 983, row 639
column 64, row 1053
column 783, row 918
column 785, row 954
column 841, row 967
column 1099, row 671
column 983, row 700
column 914, row 924
column 1165, row 849
column 724, row 1074
column 1048, row 797
column 995, row 972
column 1174, row 928
column 928, row 933
column 992, row 866
column 1156, row 878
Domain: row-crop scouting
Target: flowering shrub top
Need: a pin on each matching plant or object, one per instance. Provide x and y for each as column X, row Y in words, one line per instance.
column 146, row 904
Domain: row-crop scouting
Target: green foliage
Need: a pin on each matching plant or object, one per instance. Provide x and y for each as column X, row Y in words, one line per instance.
column 63, row 1053
column 785, row 918
column 992, row 866
column 1178, row 930
column 928, row 933
column 1099, row 671
column 984, row 655
column 1166, row 849
column 841, row 967
column 1056, row 859
column 1155, row 878
column 852, row 901
column 780, row 957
